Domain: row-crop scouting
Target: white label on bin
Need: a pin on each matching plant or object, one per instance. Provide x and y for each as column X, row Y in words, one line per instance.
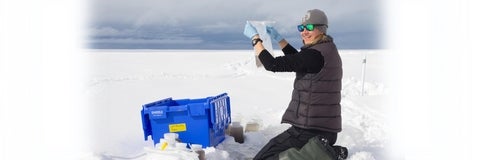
column 179, row 127
column 157, row 113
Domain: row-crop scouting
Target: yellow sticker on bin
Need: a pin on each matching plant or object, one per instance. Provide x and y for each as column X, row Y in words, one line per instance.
column 179, row 127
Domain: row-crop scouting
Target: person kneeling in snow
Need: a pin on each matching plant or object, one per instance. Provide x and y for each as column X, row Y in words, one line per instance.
column 314, row 110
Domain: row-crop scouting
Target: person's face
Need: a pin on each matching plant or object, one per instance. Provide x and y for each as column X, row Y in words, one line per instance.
column 308, row 36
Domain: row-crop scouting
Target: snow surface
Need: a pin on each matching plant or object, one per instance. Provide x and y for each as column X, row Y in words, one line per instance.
column 121, row 81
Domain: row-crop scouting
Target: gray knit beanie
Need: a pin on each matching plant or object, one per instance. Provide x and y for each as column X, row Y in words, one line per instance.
column 316, row 16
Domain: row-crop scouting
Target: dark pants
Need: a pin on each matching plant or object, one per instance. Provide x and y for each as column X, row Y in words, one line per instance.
column 292, row 137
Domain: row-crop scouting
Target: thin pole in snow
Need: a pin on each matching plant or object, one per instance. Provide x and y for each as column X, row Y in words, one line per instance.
column 364, row 64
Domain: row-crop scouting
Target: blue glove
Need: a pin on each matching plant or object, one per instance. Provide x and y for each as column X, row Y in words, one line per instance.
column 249, row 30
column 274, row 35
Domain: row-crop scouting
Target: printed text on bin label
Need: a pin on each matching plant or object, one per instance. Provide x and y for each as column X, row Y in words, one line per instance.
column 179, row 127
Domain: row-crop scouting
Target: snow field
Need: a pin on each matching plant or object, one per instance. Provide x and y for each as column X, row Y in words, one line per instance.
column 120, row 82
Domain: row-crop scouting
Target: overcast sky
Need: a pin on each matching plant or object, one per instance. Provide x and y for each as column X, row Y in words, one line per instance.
column 218, row 24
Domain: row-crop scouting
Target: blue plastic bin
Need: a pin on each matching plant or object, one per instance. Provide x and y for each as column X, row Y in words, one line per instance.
column 196, row 121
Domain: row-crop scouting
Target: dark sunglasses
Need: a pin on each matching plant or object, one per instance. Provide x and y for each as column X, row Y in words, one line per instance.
column 309, row 27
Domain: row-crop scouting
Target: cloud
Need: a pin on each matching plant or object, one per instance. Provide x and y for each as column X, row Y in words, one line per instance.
column 203, row 20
